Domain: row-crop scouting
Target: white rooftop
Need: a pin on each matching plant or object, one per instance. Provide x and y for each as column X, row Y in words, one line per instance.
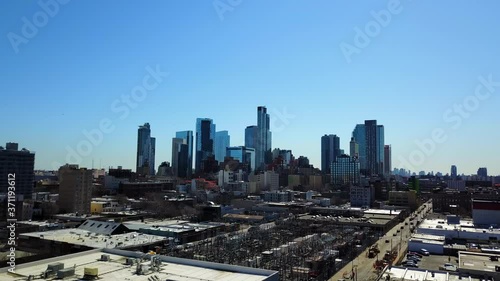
column 84, row 238
column 417, row 274
column 116, row 269
column 465, row 225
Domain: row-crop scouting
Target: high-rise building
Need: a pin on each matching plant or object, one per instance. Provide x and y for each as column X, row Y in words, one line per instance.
column 179, row 157
column 330, row 149
column 243, row 154
column 380, row 150
column 354, row 148
column 251, row 133
column 359, row 135
column 75, row 189
column 482, row 172
column 205, row 141
column 387, row 160
column 372, row 155
column 345, row 171
column 18, row 162
column 222, row 141
column 263, row 143
column 186, row 169
column 453, row 171
column 146, row 146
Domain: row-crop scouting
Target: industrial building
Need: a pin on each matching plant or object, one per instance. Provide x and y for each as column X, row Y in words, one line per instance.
column 112, row 264
column 412, row 274
column 462, row 229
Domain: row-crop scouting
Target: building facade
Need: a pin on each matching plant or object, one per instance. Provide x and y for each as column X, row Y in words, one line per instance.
column 245, row 155
column 187, row 136
column 345, row 171
column 146, row 146
column 20, row 163
column 387, row 160
column 222, row 141
column 205, row 141
column 330, row 149
column 75, row 189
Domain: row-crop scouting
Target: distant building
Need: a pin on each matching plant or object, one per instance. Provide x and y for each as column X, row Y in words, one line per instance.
column 403, row 199
column 75, row 189
column 345, row 170
column 187, row 136
column 222, row 141
column 18, row 162
column 245, row 155
column 359, row 135
column 482, row 173
column 387, row 160
column 251, row 133
column 146, row 147
column 353, row 148
column 205, row 141
column 263, row 145
column 267, row 180
column 362, row 196
column 180, row 157
column 330, row 149
column 454, row 171
column 278, row 196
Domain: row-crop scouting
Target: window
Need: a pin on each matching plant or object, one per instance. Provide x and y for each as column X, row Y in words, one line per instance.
column 99, row 225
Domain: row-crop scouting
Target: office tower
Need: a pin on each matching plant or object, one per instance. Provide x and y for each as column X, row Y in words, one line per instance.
column 205, row 141
column 380, row 150
column 180, row 155
column 482, row 173
column 251, row 133
column 263, row 143
column 359, row 135
column 330, row 149
column 243, row 154
column 222, row 141
column 18, row 162
column 353, row 148
column 371, row 146
column 345, row 171
column 187, row 136
column 75, row 189
column 286, row 155
column 453, row 171
column 146, row 146
column 387, row 160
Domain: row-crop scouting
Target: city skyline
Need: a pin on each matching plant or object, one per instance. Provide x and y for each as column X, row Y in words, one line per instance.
column 431, row 84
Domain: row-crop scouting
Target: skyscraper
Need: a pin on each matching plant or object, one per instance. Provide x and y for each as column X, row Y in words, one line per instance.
column 482, row 172
column 380, row 150
column 18, row 162
column 353, row 148
column 243, row 154
column 359, row 135
column 263, row 142
column 372, row 155
column 453, row 171
column 251, row 133
column 179, row 157
column 146, row 146
column 205, row 141
column 222, row 141
column 387, row 160
column 187, row 136
column 330, row 149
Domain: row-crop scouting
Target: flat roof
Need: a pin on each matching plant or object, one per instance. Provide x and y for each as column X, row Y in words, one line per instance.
column 116, row 269
column 84, row 238
column 411, row 274
column 171, row 225
column 477, row 261
column 426, row 238
column 465, row 225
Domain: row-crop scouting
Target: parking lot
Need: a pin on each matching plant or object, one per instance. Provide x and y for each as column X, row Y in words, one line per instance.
column 434, row 262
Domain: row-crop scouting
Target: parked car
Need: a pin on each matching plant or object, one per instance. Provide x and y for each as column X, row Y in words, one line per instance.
column 424, row 252
column 415, row 254
column 413, row 258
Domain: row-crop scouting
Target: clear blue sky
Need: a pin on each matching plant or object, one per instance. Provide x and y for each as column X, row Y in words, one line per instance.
column 285, row 55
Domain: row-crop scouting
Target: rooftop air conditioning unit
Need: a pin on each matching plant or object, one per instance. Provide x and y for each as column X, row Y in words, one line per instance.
column 105, row 258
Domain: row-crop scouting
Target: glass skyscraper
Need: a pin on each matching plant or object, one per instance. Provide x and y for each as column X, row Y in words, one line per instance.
column 187, row 137
column 359, row 135
column 330, row 149
column 263, row 143
column 243, row 154
column 146, row 146
column 251, row 133
column 205, row 141
column 222, row 141
column 370, row 139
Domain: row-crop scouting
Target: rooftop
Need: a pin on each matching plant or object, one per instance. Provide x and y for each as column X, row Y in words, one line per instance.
column 477, row 261
column 406, row 274
column 429, row 239
column 464, row 225
column 85, row 238
column 117, row 269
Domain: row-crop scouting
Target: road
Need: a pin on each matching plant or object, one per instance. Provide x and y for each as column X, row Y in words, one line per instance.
column 398, row 240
